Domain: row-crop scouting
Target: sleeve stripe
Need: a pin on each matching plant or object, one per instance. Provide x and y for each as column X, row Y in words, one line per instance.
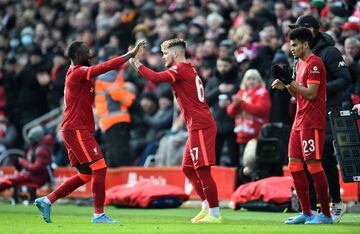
column 88, row 74
column 172, row 76
column 313, row 81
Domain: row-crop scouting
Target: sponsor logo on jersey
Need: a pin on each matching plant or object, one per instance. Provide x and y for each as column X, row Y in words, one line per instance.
column 315, row 70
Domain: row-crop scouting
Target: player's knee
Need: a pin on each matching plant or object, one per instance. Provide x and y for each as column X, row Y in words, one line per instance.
column 296, row 166
column 315, row 167
column 97, row 165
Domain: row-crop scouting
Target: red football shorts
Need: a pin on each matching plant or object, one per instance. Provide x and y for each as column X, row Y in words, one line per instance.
column 306, row 144
column 81, row 146
column 200, row 148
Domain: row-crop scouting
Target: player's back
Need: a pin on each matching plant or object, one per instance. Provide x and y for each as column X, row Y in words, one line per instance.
column 190, row 95
column 78, row 100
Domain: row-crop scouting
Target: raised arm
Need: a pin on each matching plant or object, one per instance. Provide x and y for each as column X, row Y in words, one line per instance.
column 147, row 73
column 112, row 64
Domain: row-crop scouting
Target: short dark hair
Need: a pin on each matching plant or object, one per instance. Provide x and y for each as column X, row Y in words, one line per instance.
column 73, row 48
column 302, row 34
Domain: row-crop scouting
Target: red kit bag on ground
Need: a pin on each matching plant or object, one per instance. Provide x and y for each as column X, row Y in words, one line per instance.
column 275, row 190
column 146, row 194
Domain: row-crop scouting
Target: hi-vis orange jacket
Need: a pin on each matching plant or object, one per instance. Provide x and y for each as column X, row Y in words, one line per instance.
column 112, row 100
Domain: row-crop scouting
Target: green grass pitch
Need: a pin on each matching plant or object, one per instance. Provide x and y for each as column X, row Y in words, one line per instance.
column 75, row 219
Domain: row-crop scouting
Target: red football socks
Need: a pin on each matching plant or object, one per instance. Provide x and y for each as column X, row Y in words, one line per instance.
column 208, row 185
column 66, row 188
column 302, row 189
column 98, row 189
column 321, row 188
column 190, row 173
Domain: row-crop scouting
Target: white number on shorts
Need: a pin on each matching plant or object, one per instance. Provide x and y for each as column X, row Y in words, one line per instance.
column 308, row 146
column 200, row 89
column 194, row 152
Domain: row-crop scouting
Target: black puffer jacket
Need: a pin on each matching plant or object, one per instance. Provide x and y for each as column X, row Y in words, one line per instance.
column 338, row 77
column 223, row 121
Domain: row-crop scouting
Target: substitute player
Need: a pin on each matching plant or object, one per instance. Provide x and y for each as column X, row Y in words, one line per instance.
column 308, row 131
column 199, row 153
column 77, row 128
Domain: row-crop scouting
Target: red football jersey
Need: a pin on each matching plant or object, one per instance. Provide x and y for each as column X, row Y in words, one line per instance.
column 311, row 113
column 189, row 92
column 79, row 94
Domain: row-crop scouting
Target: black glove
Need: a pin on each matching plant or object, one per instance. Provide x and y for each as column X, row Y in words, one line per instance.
column 16, row 163
column 283, row 74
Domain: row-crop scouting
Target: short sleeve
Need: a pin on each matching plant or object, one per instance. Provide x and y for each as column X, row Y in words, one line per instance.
column 315, row 71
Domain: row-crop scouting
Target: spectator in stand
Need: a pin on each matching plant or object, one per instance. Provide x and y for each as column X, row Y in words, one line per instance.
column 219, row 90
column 160, row 122
column 8, row 133
column 250, row 108
column 31, row 105
column 34, row 167
column 57, row 79
column 352, row 48
column 142, row 134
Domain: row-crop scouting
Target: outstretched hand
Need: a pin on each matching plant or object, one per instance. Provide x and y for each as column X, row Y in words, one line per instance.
column 278, row 84
column 139, row 46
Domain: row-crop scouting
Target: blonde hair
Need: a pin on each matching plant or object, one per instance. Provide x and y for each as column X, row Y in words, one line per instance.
column 252, row 73
column 172, row 43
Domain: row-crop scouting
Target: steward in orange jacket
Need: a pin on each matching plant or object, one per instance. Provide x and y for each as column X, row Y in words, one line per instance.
column 112, row 103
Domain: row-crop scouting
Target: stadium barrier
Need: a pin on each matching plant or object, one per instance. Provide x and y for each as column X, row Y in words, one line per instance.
column 224, row 176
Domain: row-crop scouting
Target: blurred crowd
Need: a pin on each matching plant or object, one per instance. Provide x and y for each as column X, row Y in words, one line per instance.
column 231, row 43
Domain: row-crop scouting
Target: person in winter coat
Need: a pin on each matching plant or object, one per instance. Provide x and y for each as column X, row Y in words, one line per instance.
column 219, row 90
column 250, row 108
column 33, row 168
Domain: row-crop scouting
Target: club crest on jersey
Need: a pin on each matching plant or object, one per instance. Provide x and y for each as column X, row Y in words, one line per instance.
column 95, row 151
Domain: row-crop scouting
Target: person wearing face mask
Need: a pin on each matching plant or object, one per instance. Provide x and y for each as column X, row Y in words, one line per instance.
column 27, row 36
column 250, row 108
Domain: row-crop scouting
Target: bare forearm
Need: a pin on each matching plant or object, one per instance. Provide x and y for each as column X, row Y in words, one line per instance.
column 290, row 90
column 306, row 92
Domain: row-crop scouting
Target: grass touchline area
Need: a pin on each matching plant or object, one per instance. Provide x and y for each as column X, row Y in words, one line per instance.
column 75, row 219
